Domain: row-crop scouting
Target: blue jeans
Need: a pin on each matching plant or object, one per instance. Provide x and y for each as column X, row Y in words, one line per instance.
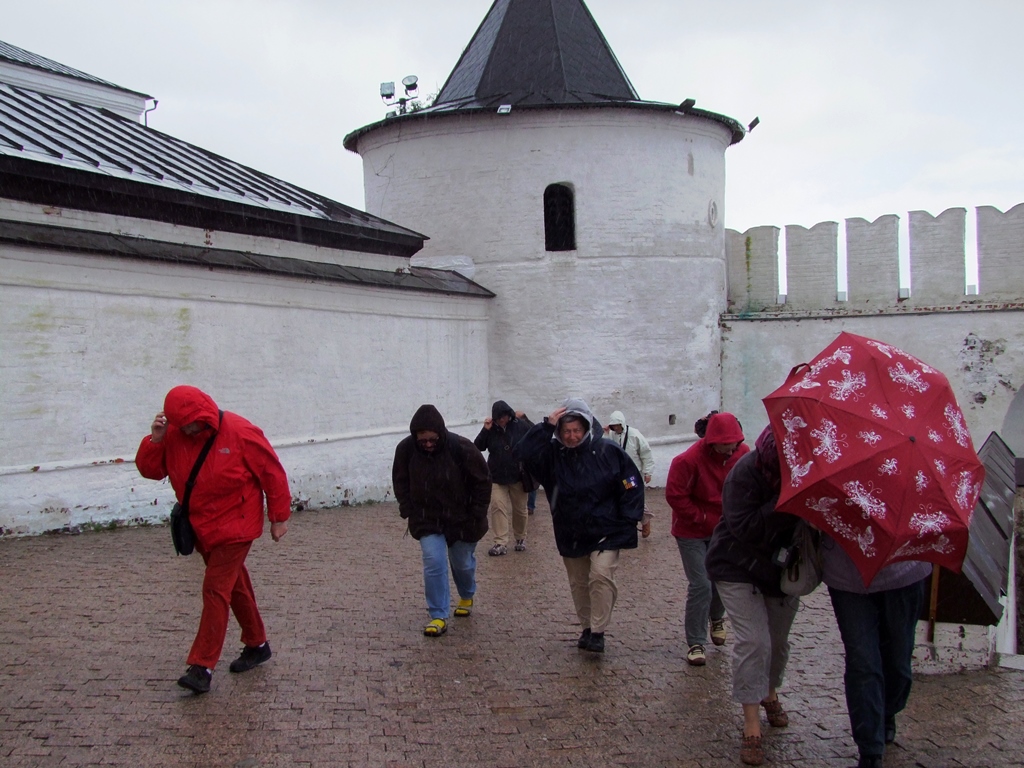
column 878, row 635
column 436, row 556
column 702, row 600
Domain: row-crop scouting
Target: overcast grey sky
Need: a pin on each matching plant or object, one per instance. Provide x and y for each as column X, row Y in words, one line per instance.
column 867, row 107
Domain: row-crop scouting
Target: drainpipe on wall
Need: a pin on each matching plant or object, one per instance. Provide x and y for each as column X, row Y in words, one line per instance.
column 145, row 114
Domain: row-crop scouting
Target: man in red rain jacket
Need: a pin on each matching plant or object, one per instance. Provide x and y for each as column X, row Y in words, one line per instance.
column 226, row 512
column 694, row 491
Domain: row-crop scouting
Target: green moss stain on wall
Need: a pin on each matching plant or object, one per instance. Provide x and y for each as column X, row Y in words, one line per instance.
column 184, row 356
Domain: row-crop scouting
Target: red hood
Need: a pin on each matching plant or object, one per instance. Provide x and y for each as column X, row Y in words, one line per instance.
column 723, row 428
column 185, row 404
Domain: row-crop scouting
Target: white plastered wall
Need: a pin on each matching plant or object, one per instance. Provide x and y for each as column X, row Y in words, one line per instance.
column 981, row 353
column 629, row 320
column 332, row 373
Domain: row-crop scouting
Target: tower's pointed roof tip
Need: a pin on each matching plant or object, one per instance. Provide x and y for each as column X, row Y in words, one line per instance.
column 536, row 54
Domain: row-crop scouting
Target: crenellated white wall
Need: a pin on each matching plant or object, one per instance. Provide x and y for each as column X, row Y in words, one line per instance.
column 976, row 340
column 624, row 318
column 331, row 372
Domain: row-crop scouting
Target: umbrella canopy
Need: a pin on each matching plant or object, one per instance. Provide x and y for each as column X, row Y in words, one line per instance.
column 875, row 452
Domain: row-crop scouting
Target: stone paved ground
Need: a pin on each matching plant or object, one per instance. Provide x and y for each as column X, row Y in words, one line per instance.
column 94, row 630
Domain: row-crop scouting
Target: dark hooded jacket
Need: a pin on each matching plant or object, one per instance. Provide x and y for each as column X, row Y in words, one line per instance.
column 226, row 505
column 446, row 491
column 751, row 531
column 499, row 442
column 595, row 491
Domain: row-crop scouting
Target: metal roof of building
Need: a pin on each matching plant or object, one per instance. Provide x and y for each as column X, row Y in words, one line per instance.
column 218, row 259
column 60, row 152
column 539, row 54
column 536, row 52
column 20, row 56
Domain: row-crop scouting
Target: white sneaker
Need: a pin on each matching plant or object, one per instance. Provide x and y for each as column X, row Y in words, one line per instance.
column 695, row 656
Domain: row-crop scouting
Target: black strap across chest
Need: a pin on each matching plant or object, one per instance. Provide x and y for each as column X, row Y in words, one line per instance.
column 199, row 464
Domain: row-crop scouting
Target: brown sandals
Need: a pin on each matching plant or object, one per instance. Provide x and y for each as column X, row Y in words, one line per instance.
column 751, row 753
column 777, row 717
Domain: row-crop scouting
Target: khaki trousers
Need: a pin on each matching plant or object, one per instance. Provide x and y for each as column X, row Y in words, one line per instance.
column 508, row 502
column 592, row 583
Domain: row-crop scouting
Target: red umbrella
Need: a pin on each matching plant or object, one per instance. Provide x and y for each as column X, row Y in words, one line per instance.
column 875, row 452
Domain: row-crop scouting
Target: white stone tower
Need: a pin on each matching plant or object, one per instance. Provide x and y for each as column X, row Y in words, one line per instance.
column 594, row 216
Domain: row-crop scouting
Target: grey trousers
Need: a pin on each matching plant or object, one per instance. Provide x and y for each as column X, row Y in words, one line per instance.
column 760, row 647
column 702, row 600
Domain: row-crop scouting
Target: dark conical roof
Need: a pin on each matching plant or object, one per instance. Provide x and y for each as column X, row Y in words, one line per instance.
column 536, row 52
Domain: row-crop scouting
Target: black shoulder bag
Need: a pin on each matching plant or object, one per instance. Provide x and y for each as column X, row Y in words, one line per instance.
column 182, row 535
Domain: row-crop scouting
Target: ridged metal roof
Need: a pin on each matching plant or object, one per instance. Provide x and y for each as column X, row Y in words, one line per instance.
column 103, row 148
column 213, row 259
column 16, row 55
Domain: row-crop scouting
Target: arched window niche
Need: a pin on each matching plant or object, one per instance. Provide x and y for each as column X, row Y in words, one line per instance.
column 559, row 218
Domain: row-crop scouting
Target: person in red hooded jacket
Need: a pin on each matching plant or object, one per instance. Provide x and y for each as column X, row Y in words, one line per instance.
column 694, row 491
column 226, row 512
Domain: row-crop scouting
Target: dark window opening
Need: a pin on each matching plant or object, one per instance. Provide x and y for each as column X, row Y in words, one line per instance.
column 559, row 218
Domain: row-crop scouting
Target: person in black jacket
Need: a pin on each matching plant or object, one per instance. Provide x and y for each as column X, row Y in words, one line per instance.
column 443, row 489
column 596, row 496
column 741, row 563
column 498, row 437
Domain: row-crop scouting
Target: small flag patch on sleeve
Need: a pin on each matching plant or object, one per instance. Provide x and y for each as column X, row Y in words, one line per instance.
column 630, row 482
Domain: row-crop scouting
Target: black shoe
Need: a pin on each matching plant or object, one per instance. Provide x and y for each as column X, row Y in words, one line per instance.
column 596, row 642
column 870, row 761
column 890, row 730
column 251, row 657
column 197, row 679
column 584, row 640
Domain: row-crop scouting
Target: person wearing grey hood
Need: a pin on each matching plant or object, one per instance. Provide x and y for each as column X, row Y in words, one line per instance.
column 498, row 437
column 596, row 496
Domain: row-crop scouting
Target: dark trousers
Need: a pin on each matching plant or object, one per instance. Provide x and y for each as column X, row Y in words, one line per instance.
column 878, row 635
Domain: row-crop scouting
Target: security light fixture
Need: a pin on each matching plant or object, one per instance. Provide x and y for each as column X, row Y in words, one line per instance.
column 753, row 124
column 504, row 109
column 406, row 103
column 687, row 105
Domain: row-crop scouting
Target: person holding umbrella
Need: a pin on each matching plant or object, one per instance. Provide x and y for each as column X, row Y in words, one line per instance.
column 878, row 457
column 877, row 624
column 740, row 562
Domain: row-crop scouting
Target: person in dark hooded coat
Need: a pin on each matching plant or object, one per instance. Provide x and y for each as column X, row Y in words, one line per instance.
column 498, row 437
column 596, row 496
column 443, row 489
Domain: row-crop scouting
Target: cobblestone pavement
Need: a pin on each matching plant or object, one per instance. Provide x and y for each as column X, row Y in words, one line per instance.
column 95, row 628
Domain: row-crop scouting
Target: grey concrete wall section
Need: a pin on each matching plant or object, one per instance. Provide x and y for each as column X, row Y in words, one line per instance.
column 937, row 271
column 753, row 268
column 811, row 268
column 982, row 354
column 1001, row 252
column 872, row 262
